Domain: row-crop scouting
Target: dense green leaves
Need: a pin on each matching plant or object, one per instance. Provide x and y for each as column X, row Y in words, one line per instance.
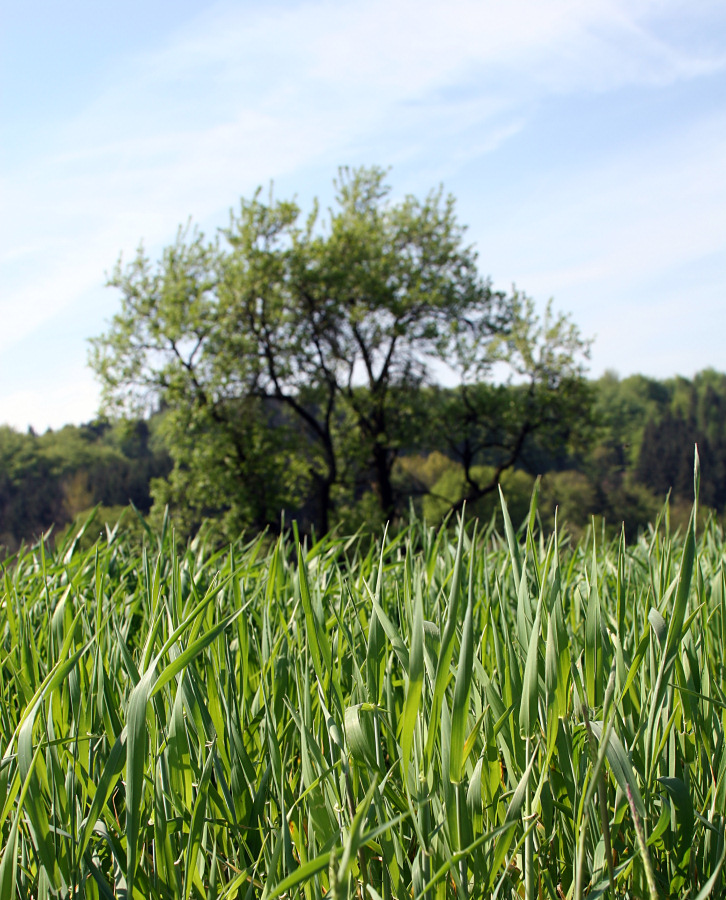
column 287, row 721
column 607, row 448
column 47, row 480
column 295, row 358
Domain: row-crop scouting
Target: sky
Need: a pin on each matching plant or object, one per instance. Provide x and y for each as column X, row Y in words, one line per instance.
column 584, row 140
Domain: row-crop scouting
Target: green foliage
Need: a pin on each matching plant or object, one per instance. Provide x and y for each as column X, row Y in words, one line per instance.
column 486, row 716
column 30, row 497
column 215, row 482
column 695, row 413
column 618, row 469
column 450, row 488
column 302, row 350
column 622, row 409
column 98, row 522
column 642, row 446
column 573, row 495
column 47, row 480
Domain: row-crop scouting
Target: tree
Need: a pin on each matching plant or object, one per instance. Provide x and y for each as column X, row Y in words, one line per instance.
column 691, row 412
column 538, row 409
column 30, row 497
column 287, row 352
column 47, row 480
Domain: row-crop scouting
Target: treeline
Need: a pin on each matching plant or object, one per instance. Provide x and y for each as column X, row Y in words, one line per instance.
column 295, row 367
column 642, row 448
column 635, row 447
column 50, row 479
column 632, row 445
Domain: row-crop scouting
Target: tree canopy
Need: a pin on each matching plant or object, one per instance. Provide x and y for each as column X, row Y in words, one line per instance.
column 291, row 355
column 617, row 464
column 49, row 479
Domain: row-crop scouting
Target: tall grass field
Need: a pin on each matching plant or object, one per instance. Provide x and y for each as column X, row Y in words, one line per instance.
column 470, row 712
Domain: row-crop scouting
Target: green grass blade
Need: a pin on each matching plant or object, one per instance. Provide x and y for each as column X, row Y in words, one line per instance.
column 462, row 688
column 446, row 651
column 528, row 707
column 415, row 680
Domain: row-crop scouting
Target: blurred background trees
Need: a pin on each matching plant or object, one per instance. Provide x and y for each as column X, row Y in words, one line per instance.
column 298, row 359
column 336, row 370
column 50, row 479
column 618, row 464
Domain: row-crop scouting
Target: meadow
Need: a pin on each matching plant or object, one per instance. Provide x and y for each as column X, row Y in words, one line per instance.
column 476, row 711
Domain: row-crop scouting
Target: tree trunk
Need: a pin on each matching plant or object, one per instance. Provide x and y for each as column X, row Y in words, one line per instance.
column 325, row 485
column 384, row 487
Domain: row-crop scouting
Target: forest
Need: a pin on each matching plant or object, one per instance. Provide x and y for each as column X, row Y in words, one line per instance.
column 632, row 446
column 335, row 370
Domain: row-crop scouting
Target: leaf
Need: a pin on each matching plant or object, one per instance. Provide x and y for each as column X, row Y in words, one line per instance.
column 510, row 820
column 551, row 661
column 659, row 625
column 111, row 771
column 196, row 826
column 675, row 633
column 511, row 541
column 714, row 877
column 415, row 680
column 354, row 835
column 446, row 650
column 593, row 649
column 317, row 639
column 462, row 688
column 621, row 767
column 9, row 864
column 190, row 653
column 299, row 876
column 681, row 798
column 528, row 717
column 392, row 634
column 360, row 733
column 136, row 742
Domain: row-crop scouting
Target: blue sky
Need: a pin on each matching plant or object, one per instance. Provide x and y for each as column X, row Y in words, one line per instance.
column 585, row 141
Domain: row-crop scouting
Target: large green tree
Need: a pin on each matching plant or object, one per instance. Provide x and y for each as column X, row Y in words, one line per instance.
column 288, row 351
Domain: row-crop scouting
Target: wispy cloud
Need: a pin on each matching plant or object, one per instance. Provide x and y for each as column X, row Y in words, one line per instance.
column 243, row 94
column 632, row 250
column 53, row 404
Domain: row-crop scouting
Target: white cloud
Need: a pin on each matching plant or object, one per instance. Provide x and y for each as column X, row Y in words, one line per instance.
column 641, row 212
column 52, row 405
column 629, row 250
column 243, row 94
column 411, row 45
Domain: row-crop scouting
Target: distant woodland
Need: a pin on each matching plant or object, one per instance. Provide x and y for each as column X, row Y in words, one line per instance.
column 295, row 368
column 632, row 445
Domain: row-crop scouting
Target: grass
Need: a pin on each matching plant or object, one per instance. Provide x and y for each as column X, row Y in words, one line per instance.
column 471, row 716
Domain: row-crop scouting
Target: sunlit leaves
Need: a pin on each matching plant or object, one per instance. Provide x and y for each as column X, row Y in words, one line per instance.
column 336, row 719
